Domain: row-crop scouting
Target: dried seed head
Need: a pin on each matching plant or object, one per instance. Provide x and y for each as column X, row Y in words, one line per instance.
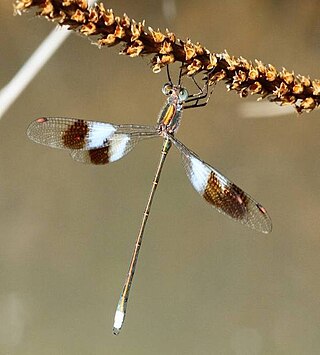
column 66, row 3
column 281, row 91
column 308, row 104
column 218, row 76
column 243, row 92
column 93, row 15
column 136, row 30
column 47, row 9
column 166, row 47
column 21, row 6
column 134, row 49
column 157, row 36
column 190, row 50
column 88, row 29
column 61, row 17
column 170, row 36
column 119, row 32
column 253, row 74
column 110, row 40
column 79, row 16
column 271, row 73
column 244, row 63
column 232, row 61
column 199, row 49
column 82, row 3
column 261, row 67
column 100, row 8
column 297, row 88
column 167, row 59
column 287, row 76
column 125, row 21
column 255, row 88
column 212, row 61
column 239, row 74
column 290, row 100
column 194, row 67
column 108, row 17
column 316, row 87
column 306, row 81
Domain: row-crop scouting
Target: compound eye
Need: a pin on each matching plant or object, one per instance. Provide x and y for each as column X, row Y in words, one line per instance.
column 167, row 89
column 183, row 94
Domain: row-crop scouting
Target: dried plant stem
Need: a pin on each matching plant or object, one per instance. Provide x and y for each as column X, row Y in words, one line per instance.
column 31, row 67
column 239, row 74
column 11, row 91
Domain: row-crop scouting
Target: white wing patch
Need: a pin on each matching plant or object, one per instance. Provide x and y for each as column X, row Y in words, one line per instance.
column 198, row 174
column 119, row 147
column 99, row 133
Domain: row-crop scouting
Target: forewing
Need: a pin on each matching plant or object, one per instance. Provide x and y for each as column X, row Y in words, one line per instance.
column 88, row 141
column 70, row 133
column 223, row 194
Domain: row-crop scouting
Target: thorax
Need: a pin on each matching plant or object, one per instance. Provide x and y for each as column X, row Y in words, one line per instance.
column 170, row 116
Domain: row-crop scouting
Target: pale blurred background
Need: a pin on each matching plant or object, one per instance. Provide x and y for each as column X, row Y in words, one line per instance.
column 204, row 284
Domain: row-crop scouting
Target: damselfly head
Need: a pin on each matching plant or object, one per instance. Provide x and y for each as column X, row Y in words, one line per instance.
column 178, row 92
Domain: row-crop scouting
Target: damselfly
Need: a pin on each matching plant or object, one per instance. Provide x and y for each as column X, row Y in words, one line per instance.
column 102, row 143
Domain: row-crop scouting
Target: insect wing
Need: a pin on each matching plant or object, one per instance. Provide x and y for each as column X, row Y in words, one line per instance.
column 70, row 133
column 88, row 141
column 223, row 194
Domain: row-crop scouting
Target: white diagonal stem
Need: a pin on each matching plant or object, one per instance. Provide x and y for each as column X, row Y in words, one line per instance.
column 32, row 66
